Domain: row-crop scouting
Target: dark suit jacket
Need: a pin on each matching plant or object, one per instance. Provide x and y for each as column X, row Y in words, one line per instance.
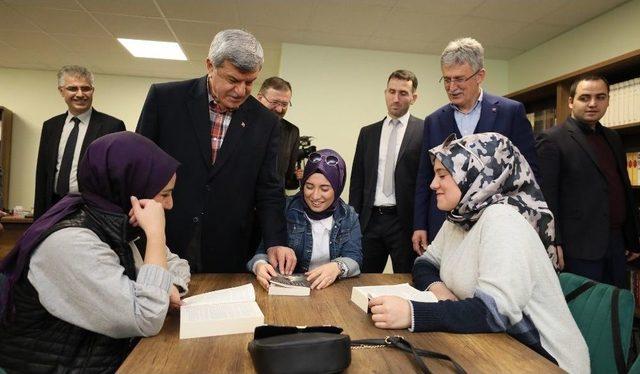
column 220, row 198
column 289, row 141
column 498, row 114
column 577, row 193
column 100, row 124
column 364, row 173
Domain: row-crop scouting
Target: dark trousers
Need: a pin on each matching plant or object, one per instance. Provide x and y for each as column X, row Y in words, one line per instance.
column 383, row 237
column 611, row 269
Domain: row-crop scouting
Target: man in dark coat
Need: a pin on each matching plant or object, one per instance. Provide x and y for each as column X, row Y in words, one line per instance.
column 586, row 185
column 227, row 144
column 65, row 137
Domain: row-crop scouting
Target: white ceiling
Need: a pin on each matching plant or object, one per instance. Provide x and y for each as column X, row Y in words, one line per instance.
column 46, row 34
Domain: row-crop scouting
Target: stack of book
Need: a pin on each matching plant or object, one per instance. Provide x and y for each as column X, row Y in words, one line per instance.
column 542, row 119
column 624, row 104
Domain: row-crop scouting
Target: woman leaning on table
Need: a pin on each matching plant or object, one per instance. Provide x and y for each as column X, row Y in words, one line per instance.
column 322, row 229
column 75, row 287
column 488, row 265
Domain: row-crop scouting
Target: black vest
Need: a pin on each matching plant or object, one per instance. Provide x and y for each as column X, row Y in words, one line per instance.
column 37, row 342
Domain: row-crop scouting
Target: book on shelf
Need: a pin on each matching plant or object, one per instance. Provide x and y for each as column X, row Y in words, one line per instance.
column 361, row 295
column 624, row 104
column 633, row 168
column 290, row 285
column 543, row 120
column 222, row 312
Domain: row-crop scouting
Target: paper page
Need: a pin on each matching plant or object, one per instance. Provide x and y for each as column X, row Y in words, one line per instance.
column 228, row 295
column 215, row 312
column 403, row 290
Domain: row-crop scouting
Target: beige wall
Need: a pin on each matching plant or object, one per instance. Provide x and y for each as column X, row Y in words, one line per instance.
column 32, row 97
column 609, row 35
column 337, row 91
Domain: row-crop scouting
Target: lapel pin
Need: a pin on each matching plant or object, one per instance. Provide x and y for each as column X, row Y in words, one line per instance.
column 242, row 124
column 494, row 109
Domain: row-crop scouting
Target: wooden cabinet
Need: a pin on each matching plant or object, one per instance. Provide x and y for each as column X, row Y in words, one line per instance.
column 6, row 122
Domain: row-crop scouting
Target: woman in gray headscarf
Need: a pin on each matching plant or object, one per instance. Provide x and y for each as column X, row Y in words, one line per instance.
column 489, row 265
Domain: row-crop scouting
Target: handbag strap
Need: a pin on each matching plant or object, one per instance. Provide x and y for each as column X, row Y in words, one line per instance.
column 404, row 345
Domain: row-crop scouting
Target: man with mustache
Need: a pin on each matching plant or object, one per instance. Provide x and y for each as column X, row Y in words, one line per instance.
column 65, row 137
column 585, row 183
column 227, row 144
column 470, row 110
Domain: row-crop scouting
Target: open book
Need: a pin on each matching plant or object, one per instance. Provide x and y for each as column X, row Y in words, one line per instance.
column 290, row 285
column 223, row 312
column 361, row 295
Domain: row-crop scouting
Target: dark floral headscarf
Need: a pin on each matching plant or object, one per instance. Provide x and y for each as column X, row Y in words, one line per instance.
column 489, row 169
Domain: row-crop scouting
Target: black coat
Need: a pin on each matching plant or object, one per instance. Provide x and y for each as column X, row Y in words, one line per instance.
column 289, row 144
column 577, row 191
column 223, row 198
column 364, row 173
column 100, row 124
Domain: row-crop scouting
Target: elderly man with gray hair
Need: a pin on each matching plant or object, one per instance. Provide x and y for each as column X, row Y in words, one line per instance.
column 65, row 137
column 470, row 110
column 227, row 144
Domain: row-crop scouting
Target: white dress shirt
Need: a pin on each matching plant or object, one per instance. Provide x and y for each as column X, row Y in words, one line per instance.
column 66, row 131
column 380, row 198
column 321, row 232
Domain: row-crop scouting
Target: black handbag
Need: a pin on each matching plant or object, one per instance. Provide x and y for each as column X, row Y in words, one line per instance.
column 323, row 349
column 289, row 349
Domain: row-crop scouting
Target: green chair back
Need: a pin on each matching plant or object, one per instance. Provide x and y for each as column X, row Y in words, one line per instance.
column 593, row 312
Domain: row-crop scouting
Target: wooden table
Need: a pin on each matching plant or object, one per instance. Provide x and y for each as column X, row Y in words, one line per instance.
column 14, row 227
column 477, row 353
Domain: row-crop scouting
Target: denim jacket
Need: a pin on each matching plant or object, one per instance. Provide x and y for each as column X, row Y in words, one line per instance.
column 344, row 241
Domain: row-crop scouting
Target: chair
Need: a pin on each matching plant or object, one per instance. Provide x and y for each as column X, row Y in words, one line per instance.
column 604, row 315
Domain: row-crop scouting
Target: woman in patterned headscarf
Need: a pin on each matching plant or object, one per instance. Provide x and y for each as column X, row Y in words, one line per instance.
column 489, row 265
column 323, row 231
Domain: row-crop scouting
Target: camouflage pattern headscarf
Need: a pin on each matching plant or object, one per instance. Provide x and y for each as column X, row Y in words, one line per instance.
column 489, row 169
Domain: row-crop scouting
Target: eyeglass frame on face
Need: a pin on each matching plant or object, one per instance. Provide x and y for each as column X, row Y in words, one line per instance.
column 75, row 89
column 330, row 160
column 457, row 80
column 278, row 103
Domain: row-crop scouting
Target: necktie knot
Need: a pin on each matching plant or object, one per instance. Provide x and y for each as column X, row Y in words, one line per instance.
column 76, row 121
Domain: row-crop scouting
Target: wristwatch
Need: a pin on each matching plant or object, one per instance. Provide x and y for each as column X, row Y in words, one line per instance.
column 343, row 268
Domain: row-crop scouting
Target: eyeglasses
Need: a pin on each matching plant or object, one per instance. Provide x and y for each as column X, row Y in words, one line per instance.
column 283, row 104
column 330, row 160
column 74, row 89
column 457, row 80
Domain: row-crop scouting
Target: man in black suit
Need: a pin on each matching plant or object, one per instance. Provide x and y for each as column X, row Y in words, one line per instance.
column 65, row 137
column 275, row 94
column 383, row 178
column 585, row 183
column 227, row 144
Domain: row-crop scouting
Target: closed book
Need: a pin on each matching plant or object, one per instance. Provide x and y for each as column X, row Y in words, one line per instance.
column 222, row 312
column 361, row 295
column 290, row 285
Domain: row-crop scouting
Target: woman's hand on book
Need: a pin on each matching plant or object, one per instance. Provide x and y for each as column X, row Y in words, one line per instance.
column 442, row 292
column 390, row 312
column 174, row 298
column 323, row 276
column 264, row 272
